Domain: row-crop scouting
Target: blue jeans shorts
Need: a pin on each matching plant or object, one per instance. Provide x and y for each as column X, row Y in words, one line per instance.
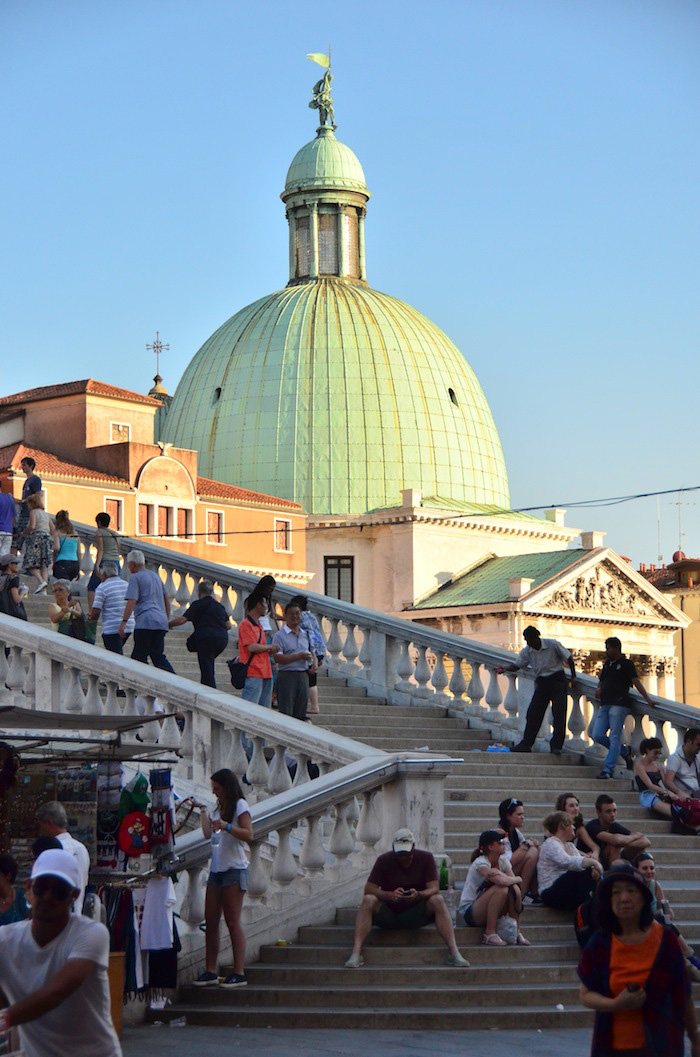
column 226, row 878
column 466, row 912
column 647, row 799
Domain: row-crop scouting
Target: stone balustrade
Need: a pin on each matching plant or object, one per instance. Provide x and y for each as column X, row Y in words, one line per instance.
column 403, row 662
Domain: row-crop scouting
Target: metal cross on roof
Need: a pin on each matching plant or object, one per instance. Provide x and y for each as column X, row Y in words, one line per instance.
column 157, row 346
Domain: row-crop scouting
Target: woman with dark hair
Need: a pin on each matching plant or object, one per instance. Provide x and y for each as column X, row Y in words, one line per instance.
column 569, row 803
column 633, row 975
column 210, row 636
column 311, row 626
column 660, row 908
column 649, row 776
column 38, row 551
column 13, row 905
column 229, row 828
column 522, row 853
column 491, row 891
column 565, row 877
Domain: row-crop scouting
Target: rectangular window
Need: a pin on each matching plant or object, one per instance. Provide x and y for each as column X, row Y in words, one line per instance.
column 303, row 247
column 145, row 519
column 328, row 243
column 183, row 523
column 215, row 527
column 283, row 535
column 121, row 431
column 350, row 239
column 114, row 507
column 339, row 578
column 165, row 520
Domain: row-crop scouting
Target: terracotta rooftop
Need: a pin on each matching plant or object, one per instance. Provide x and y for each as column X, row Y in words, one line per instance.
column 47, row 463
column 86, row 385
column 219, row 490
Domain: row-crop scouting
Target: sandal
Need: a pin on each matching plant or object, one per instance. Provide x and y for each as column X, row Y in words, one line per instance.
column 493, row 940
column 522, row 942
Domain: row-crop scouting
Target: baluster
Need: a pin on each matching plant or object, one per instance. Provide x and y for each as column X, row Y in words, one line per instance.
column 226, row 600
column 16, row 674
column 130, row 711
column 183, row 592
column 239, row 760
column 458, row 684
column 334, row 645
column 577, row 723
column 342, row 842
column 475, row 690
column 493, row 697
column 150, row 730
column 192, row 909
column 239, row 608
column 313, row 855
column 4, row 666
column 169, row 733
column 350, row 650
column 284, row 868
column 404, row 669
column 29, row 687
column 365, row 657
column 659, row 732
column 422, row 674
column 169, row 581
column 280, row 778
column 439, row 680
column 638, row 734
column 86, row 563
column 302, row 772
column 258, row 773
column 258, row 881
column 511, row 701
column 73, row 698
column 112, row 707
column 353, row 813
column 369, row 829
column 93, row 701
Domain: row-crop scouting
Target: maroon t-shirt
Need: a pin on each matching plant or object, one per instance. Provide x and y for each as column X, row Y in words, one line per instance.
column 388, row 874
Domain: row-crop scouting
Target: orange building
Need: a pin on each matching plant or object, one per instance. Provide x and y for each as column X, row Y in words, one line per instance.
column 94, row 451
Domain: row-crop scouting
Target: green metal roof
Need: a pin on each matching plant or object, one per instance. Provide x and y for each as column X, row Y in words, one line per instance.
column 325, row 163
column 337, row 396
column 488, row 583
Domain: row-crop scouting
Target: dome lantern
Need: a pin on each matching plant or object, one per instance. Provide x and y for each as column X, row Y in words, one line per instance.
column 325, row 195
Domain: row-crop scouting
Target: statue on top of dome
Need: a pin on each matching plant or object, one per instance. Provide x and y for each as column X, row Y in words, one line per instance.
column 322, row 100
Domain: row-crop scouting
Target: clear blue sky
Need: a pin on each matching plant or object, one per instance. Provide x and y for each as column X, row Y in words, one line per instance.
column 534, row 172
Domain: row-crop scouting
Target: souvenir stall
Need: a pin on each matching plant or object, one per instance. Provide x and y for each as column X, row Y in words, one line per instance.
column 120, row 804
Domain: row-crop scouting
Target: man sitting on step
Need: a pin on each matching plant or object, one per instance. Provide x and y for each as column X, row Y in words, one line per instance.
column 402, row 893
column 613, row 839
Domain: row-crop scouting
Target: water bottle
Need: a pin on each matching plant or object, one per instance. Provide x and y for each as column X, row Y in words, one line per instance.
column 215, row 837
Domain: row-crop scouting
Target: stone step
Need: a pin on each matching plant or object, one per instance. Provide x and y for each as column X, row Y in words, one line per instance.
column 371, row 977
column 423, row 1018
column 549, row 932
column 389, row 959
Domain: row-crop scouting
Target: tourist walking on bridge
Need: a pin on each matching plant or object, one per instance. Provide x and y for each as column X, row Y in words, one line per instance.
column 148, row 600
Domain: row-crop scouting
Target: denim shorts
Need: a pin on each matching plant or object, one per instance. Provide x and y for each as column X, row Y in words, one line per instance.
column 647, row 799
column 226, row 878
column 466, row 912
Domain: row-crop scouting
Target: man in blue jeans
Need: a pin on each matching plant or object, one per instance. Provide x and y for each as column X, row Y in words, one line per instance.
column 149, row 602
column 617, row 676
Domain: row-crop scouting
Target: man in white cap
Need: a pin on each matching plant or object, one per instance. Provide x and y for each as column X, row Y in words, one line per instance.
column 53, row 970
column 402, row 893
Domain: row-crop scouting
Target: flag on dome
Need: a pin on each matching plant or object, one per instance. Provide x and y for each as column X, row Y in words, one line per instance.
column 320, row 58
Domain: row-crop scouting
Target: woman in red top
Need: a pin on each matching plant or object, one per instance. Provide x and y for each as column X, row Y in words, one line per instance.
column 253, row 647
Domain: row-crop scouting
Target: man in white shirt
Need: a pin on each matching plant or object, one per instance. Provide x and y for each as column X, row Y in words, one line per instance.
column 109, row 602
column 53, row 970
column 544, row 657
column 52, row 821
column 682, row 767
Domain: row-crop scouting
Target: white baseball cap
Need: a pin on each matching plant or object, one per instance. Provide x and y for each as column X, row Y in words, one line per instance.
column 60, row 864
column 403, row 840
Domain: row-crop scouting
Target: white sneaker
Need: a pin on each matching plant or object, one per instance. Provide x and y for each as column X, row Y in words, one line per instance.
column 42, row 587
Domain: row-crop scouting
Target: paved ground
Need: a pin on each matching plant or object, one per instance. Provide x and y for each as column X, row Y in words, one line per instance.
column 155, row 1041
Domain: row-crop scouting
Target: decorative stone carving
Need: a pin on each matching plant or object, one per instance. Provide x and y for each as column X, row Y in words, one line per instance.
column 604, row 590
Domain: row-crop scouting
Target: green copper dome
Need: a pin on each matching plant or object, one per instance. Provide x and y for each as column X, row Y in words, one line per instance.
column 325, row 163
column 337, row 396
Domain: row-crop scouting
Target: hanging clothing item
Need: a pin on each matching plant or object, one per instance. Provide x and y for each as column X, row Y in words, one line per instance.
column 157, row 922
column 134, row 796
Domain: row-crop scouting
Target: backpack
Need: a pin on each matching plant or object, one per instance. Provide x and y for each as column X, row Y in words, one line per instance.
column 7, row 605
column 687, row 812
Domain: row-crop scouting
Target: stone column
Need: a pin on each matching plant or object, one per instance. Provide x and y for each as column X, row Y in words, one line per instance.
column 646, row 666
column 416, row 800
column 292, row 221
column 361, row 242
column 580, row 658
column 342, row 244
column 313, row 240
column 666, row 676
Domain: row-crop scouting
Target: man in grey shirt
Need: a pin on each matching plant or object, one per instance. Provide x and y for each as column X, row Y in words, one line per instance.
column 294, row 658
column 148, row 600
column 682, row 767
column 544, row 657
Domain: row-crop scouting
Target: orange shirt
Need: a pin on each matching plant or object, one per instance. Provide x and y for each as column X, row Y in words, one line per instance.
column 631, row 964
column 250, row 632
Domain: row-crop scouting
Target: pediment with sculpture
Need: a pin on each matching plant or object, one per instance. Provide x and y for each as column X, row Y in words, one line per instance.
column 605, row 590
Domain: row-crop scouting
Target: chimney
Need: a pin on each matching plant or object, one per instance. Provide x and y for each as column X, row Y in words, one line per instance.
column 642, row 567
column 652, row 568
column 411, row 497
column 591, row 540
column 519, row 586
column 556, row 515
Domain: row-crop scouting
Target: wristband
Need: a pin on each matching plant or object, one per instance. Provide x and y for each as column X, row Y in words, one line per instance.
column 228, row 827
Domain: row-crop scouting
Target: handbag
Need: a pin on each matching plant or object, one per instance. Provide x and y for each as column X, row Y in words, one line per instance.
column 239, row 668
column 191, row 642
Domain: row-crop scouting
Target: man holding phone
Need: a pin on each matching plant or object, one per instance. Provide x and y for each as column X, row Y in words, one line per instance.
column 402, row 893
